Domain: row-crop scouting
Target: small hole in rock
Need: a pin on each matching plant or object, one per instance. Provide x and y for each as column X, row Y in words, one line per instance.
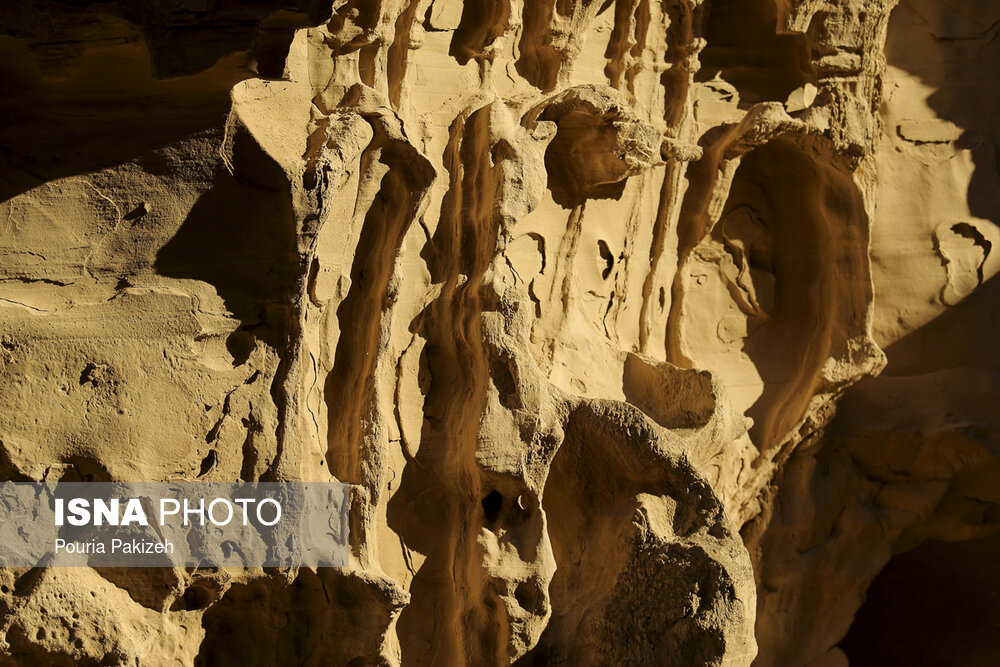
column 529, row 598
column 492, row 504
column 194, row 598
column 89, row 374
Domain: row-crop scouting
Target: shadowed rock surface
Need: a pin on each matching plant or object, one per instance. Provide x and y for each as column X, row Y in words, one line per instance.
column 646, row 333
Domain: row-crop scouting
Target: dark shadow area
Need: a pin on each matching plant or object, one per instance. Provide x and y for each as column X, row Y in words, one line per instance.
column 960, row 336
column 578, row 159
column 676, row 79
column 148, row 586
column 797, row 229
column 492, row 504
column 241, row 237
column 539, row 61
column 937, row 605
column 428, row 510
column 350, row 387
column 675, row 398
column 325, row 618
column 9, row 472
column 86, row 85
column 197, row 596
column 595, row 131
column 744, row 47
column 482, row 22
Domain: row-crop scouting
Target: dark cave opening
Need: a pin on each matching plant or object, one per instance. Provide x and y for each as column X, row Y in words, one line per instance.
column 937, row 604
column 492, row 504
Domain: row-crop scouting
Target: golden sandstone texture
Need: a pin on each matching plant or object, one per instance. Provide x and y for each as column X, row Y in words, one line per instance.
column 647, row 332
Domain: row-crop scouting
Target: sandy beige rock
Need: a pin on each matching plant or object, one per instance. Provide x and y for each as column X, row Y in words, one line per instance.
column 645, row 333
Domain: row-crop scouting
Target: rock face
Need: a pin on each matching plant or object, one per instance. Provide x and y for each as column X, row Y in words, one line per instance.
column 646, row 333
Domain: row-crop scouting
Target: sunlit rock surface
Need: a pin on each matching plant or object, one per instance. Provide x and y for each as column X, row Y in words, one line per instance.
column 646, row 333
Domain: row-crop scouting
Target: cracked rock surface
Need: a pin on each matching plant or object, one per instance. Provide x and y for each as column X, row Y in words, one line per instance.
column 645, row 333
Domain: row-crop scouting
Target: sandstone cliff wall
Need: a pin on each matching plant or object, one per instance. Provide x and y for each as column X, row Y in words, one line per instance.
column 645, row 332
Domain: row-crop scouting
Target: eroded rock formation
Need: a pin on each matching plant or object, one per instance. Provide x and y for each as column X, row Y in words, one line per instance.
column 645, row 332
